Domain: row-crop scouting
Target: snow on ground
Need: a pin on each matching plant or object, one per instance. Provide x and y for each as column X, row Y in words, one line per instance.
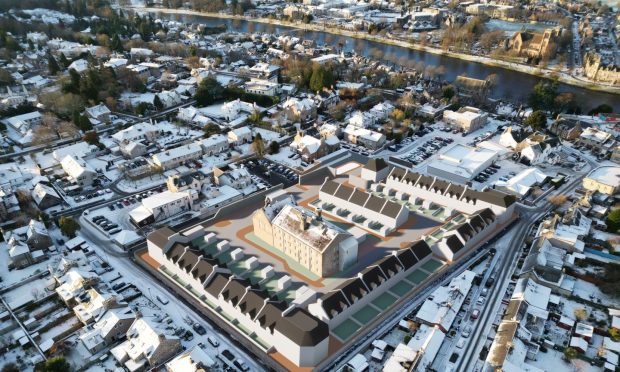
column 10, row 277
column 591, row 292
column 141, row 184
column 27, row 292
column 282, row 157
column 569, row 307
column 553, row 360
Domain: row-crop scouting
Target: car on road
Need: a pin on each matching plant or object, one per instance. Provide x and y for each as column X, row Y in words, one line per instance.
column 241, row 365
column 213, row 341
column 461, row 343
column 199, row 329
column 466, row 332
column 475, row 314
column 163, row 300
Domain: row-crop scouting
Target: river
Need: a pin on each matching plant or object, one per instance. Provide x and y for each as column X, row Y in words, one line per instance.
column 510, row 85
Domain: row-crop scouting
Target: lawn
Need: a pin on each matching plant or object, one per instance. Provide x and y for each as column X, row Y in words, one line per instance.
column 384, row 301
column 366, row 314
column 346, row 329
column 432, row 265
column 417, row 277
column 401, row 289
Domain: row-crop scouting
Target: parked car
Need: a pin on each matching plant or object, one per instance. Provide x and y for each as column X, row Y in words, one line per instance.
column 163, row 300
column 475, row 314
column 213, row 341
column 199, row 329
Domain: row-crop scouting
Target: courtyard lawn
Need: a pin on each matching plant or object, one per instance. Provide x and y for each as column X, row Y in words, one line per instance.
column 384, row 301
column 432, row 265
column 417, row 277
column 366, row 314
column 401, row 289
column 346, row 329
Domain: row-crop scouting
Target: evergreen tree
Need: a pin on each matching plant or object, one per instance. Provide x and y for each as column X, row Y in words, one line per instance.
column 52, row 65
column 64, row 61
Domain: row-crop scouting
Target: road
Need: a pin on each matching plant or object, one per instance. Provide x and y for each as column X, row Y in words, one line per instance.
column 489, row 310
column 177, row 310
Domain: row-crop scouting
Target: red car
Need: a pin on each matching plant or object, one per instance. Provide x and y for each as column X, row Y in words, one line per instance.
column 474, row 314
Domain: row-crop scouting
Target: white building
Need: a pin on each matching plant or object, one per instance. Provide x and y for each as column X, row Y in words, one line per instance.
column 416, row 188
column 78, row 171
column 364, row 209
column 461, row 163
column 467, row 118
column 362, row 119
column 604, row 179
column 262, row 87
column 214, row 145
column 239, row 136
column 194, row 360
column 172, row 158
column 24, row 122
column 364, row 137
column 136, row 132
column 163, row 205
column 147, row 345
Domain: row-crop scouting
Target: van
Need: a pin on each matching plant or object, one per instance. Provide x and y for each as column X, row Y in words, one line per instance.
column 213, row 341
column 461, row 343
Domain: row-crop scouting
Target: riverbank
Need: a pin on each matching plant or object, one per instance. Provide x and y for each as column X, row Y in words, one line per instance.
column 530, row 70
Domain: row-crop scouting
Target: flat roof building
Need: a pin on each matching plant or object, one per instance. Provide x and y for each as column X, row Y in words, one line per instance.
column 461, row 163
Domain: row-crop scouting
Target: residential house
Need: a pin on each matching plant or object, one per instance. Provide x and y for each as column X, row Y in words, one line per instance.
column 364, row 137
column 214, row 145
column 45, row 196
column 193, row 181
column 148, row 345
column 299, row 109
column 311, row 148
column 598, row 140
column 237, row 178
column 240, row 136
column 172, row 158
column 111, row 327
column 99, row 113
column 78, row 171
column 164, row 205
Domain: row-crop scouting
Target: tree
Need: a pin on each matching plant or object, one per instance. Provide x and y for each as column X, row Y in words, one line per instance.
column 320, row 78
column 258, row 146
column 211, row 129
column 91, row 137
column 274, row 147
column 614, row 333
column 64, row 61
column 52, row 65
column 580, row 313
column 613, row 221
column 570, row 353
column 208, row 91
column 68, row 226
column 601, row 109
column 10, row 367
column 543, row 96
column 558, row 200
column 537, row 120
column 56, row 364
column 448, row 92
column 158, row 103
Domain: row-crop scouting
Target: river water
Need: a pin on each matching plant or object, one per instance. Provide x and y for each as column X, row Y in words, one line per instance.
column 510, row 85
